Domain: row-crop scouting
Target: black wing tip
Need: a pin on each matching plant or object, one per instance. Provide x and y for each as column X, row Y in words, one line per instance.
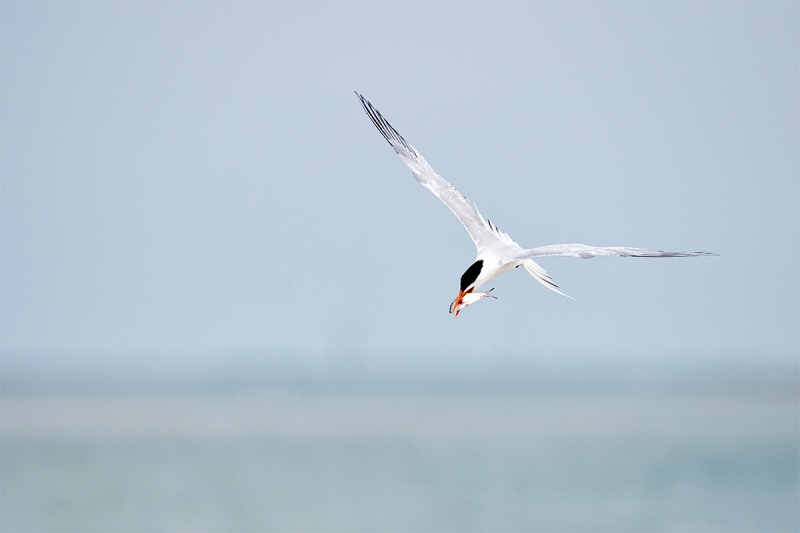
column 700, row 254
column 677, row 254
column 364, row 102
column 368, row 107
column 386, row 129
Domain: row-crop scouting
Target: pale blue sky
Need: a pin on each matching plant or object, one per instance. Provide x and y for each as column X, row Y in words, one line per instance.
column 187, row 179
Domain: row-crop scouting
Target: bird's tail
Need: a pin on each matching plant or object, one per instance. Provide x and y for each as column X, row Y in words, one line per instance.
column 540, row 275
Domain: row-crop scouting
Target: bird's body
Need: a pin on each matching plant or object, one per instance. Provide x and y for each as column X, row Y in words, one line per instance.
column 497, row 252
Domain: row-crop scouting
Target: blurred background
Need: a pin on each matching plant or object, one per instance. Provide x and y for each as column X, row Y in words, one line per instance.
column 223, row 298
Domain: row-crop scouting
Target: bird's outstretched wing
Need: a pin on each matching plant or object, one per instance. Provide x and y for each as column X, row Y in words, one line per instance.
column 587, row 252
column 481, row 231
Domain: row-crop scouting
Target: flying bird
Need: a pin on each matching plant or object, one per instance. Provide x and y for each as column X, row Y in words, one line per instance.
column 497, row 252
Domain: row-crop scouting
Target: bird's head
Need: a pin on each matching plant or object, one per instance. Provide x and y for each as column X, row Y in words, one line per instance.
column 468, row 284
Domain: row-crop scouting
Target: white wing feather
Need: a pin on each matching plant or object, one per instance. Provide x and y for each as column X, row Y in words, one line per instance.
column 482, row 232
column 587, row 252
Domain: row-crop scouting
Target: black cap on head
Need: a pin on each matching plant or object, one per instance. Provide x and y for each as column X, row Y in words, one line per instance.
column 472, row 273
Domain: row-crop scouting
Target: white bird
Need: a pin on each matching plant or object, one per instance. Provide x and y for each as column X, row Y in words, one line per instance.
column 497, row 252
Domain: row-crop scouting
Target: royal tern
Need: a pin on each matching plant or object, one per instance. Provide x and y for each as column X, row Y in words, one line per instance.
column 468, row 299
column 497, row 252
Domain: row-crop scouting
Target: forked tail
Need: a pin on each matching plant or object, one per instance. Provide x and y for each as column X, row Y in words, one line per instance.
column 540, row 275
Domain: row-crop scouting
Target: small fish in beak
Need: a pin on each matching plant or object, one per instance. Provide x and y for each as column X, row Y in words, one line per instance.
column 467, row 299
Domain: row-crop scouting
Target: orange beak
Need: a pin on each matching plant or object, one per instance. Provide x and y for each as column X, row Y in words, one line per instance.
column 458, row 299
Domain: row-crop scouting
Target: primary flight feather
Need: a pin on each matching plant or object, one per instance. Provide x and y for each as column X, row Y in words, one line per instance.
column 497, row 252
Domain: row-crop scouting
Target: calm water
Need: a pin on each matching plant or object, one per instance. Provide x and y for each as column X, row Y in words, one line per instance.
column 704, row 455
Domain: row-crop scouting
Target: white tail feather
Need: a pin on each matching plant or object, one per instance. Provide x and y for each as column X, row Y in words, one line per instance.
column 540, row 275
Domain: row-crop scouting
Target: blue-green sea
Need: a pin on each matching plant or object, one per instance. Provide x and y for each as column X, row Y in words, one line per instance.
column 575, row 452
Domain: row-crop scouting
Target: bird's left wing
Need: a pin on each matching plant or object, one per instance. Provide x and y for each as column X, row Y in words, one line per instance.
column 481, row 231
column 587, row 252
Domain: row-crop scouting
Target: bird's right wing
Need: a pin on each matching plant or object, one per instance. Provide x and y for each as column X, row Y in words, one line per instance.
column 481, row 231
